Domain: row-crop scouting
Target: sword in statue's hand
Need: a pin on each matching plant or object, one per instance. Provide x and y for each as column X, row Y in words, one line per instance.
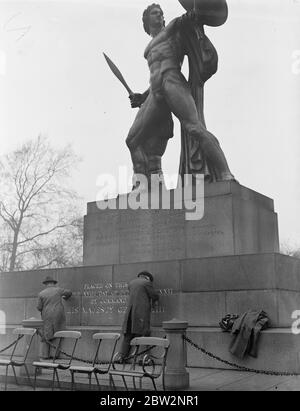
column 119, row 75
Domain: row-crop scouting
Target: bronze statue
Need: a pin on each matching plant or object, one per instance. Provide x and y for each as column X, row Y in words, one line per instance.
column 170, row 93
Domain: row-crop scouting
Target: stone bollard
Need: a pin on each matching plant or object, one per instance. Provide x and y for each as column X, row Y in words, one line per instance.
column 176, row 376
column 34, row 352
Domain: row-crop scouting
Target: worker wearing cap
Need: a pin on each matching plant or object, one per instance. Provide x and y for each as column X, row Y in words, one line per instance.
column 137, row 317
column 51, row 307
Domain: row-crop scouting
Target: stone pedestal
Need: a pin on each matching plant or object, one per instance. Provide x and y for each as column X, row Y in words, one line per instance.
column 236, row 221
column 35, row 348
column 176, row 375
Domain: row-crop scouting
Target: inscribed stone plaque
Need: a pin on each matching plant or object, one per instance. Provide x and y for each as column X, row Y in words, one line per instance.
column 81, row 278
column 166, row 273
column 73, row 310
column 166, row 309
column 108, row 309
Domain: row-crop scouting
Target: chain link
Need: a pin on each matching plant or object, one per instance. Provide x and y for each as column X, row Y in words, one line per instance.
column 70, row 356
column 12, row 344
column 240, row 367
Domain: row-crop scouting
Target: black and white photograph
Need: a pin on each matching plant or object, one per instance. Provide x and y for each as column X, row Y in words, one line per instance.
column 149, row 198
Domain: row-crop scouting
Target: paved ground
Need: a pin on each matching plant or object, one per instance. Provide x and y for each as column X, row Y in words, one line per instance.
column 200, row 380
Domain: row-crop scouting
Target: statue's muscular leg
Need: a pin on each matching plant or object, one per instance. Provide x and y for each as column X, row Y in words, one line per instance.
column 182, row 104
column 144, row 128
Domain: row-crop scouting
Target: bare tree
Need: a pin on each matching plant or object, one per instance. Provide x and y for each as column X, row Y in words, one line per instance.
column 38, row 211
column 291, row 249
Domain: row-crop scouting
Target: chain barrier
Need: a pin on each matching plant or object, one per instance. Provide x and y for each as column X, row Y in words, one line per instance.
column 97, row 362
column 70, row 356
column 12, row 344
column 240, row 367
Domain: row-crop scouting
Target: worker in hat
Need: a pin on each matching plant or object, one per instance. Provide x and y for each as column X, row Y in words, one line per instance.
column 52, row 310
column 137, row 316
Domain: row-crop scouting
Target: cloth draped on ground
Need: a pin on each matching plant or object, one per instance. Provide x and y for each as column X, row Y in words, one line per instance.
column 52, row 310
column 246, row 331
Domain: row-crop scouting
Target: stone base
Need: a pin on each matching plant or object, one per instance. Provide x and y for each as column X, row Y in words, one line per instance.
column 236, row 221
column 200, row 291
column 278, row 350
column 226, row 262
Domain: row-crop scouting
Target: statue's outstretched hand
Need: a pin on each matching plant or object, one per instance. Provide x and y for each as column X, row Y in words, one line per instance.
column 136, row 100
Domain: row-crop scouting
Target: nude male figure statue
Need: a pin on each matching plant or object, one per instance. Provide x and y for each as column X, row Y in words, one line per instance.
column 169, row 93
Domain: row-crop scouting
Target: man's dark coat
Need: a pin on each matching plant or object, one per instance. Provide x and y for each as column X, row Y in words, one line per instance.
column 141, row 294
column 52, row 310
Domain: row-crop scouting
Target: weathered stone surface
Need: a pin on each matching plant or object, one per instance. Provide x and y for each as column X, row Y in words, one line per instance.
column 212, row 235
column 238, row 302
column 255, row 228
column 106, row 307
column 287, row 272
column 23, row 283
column 278, row 350
column 205, row 308
column 247, row 194
column 279, row 305
column 151, row 235
column 101, row 234
column 236, row 221
column 194, row 289
column 243, row 272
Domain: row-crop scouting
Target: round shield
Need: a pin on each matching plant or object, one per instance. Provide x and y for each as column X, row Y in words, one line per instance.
column 213, row 12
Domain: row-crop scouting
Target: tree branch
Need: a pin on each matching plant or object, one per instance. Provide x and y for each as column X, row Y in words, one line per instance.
column 40, row 267
column 42, row 234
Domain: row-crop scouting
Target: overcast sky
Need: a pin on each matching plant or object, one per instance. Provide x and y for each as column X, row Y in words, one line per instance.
column 55, row 81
